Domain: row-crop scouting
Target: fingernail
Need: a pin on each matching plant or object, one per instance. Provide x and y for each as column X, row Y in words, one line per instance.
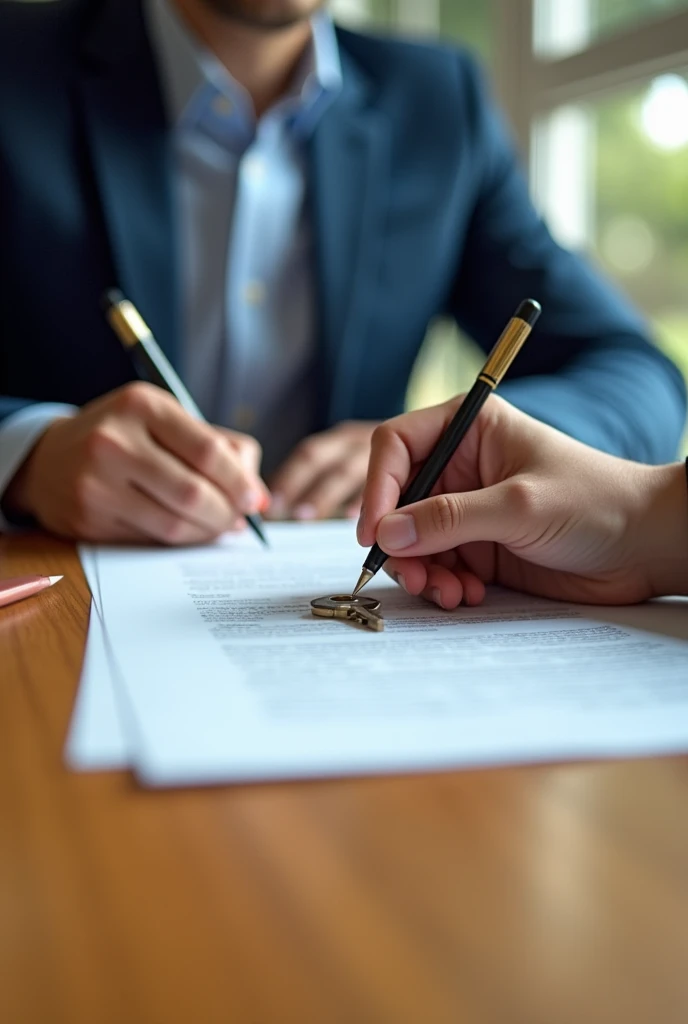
column 305, row 512
column 401, row 581
column 397, row 532
column 251, row 501
column 265, row 504
column 437, row 597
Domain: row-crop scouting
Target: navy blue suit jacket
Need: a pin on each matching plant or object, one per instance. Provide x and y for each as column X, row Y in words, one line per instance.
column 418, row 205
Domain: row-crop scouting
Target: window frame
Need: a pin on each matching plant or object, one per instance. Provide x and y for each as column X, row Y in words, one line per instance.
column 530, row 86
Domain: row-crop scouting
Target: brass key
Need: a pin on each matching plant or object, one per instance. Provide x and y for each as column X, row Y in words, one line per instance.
column 367, row 617
column 362, row 611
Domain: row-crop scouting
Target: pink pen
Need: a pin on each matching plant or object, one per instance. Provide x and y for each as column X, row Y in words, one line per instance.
column 24, row 586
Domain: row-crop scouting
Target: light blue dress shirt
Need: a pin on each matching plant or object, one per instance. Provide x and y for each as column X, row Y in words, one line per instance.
column 245, row 244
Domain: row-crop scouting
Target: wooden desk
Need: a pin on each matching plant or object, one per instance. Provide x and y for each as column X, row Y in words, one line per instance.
column 533, row 896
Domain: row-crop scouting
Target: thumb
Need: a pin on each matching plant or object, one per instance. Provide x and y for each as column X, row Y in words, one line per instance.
column 499, row 513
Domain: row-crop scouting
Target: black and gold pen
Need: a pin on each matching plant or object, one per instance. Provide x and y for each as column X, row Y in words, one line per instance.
column 152, row 364
column 499, row 361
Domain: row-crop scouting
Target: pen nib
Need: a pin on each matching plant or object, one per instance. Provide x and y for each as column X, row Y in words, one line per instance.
column 365, row 577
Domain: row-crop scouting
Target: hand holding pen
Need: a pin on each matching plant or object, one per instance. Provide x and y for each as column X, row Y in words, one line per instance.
column 152, row 365
column 134, row 466
column 526, row 507
column 424, row 475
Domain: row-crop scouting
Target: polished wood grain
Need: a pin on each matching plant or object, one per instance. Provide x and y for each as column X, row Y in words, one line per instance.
column 554, row 895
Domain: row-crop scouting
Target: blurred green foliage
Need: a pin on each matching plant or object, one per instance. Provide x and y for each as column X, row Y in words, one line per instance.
column 469, row 22
column 634, row 177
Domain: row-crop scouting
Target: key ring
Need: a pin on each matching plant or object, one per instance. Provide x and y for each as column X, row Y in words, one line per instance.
column 330, row 607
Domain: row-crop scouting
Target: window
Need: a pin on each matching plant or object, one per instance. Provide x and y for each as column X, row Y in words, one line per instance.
column 612, row 176
column 597, row 93
column 604, row 119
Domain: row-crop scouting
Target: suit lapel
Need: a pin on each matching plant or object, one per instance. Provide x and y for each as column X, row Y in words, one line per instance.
column 350, row 171
column 129, row 146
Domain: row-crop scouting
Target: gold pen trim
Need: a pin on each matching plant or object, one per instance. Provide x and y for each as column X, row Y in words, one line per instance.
column 127, row 323
column 505, row 351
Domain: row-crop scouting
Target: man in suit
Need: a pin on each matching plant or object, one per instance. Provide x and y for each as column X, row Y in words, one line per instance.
column 288, row 205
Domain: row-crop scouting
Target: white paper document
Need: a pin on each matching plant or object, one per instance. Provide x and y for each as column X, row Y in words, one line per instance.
column 97, row 737
column 207, row 666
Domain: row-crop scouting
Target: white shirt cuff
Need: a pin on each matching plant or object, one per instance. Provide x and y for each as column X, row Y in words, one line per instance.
column 18, row 434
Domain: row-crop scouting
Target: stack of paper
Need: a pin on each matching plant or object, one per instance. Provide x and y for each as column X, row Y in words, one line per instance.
column 205, row 665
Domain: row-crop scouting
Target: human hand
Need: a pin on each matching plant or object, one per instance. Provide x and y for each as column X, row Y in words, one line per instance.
column 135, row 466
column 324, row 474
column 523, row 505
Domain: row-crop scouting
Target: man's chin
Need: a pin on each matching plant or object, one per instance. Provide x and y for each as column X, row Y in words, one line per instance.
column 270, row 15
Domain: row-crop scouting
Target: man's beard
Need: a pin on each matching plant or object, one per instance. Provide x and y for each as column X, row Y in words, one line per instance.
column 266, row 14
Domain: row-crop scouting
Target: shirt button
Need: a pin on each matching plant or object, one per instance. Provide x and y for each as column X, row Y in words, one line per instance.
column 255, row 293
column 244, row 417
column 222, row 106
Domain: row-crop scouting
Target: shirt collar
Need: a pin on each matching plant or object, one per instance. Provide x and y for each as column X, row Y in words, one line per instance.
column 191, row 75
